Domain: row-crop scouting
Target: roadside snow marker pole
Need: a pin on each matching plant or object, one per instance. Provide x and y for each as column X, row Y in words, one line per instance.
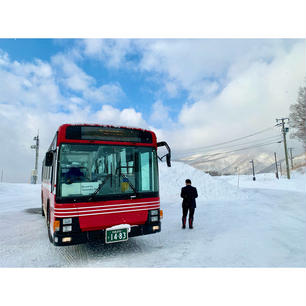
column 237, row 168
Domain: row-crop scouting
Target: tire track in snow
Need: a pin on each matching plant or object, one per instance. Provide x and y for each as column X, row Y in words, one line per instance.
column 74, row 255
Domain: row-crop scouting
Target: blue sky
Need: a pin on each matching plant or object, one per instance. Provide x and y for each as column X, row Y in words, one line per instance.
column 191, row 92
column 140, row 89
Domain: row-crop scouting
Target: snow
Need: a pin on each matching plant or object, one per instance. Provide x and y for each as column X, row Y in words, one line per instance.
column 121, row 226
column 268, row 181
column 258, row 224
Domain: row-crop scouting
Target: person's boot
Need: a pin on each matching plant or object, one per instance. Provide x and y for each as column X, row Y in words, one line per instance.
column 184, row 222
column 191, row 223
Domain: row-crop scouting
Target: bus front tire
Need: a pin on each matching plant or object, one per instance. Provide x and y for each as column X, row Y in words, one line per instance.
column 42, row 204
column 49, row 224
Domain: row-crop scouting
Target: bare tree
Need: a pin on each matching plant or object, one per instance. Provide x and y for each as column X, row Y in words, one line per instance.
column 298, row 116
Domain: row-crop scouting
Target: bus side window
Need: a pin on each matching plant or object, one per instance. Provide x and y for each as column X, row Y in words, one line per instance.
column 52, row 174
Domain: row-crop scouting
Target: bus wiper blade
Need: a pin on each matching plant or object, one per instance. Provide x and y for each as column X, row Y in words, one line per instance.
column 99, row 188
column 130, row 184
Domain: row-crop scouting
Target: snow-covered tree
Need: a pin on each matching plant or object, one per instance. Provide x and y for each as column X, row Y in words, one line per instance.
column 298, row 116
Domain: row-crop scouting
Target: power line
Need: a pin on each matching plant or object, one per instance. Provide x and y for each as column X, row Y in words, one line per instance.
column 228, row 152
column 229, row 141
column 275, row 137
column 254, row 146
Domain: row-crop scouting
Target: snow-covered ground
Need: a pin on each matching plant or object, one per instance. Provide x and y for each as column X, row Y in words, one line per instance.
column 259, row 224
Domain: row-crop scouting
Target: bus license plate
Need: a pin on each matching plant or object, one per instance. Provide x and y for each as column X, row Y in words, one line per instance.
column 116, row 235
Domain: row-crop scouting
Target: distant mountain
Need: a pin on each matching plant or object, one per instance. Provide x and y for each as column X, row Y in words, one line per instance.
column 234, row 163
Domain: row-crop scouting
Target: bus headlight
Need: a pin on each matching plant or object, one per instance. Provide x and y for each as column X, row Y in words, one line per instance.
column 154, row 212
column 67, row 221
column 154, row 219
column 67, row 228
column 154, row 215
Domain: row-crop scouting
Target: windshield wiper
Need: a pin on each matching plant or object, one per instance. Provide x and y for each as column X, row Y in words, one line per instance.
column 126, row 179
column 99, row 188
column 130, row 184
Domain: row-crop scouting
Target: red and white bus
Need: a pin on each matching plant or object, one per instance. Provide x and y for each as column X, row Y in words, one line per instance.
column 101, row 183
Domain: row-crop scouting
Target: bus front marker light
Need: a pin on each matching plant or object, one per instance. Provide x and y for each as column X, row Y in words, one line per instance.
column 161, row 214
column 56, row 225
column 154, row 212
column 154, row 218
column 66, row 239
column 67, row 228
column 67, row 221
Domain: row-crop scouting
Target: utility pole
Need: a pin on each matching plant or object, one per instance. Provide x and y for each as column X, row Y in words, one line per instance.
column 34, row 175
column 284, row 131
column 252, row 161
column 291, row 157
column 280, row 168
column 276, row 168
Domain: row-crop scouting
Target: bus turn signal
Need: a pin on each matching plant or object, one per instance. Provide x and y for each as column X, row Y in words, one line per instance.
column 56, row 225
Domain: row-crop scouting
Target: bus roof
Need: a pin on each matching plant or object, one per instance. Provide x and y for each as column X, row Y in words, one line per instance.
column 107, row 134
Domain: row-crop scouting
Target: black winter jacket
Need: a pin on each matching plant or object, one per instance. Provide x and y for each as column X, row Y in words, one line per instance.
column 189, row 194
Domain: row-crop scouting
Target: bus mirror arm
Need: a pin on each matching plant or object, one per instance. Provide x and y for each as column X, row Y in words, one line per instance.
column 168, row 155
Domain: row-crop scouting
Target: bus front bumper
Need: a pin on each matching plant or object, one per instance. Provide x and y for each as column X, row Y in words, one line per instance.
column 62, row 239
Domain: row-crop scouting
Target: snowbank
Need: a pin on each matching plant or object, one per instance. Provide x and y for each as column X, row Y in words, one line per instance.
column 210, row 188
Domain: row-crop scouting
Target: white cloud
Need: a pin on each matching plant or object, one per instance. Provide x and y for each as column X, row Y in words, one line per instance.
column 28, row 83
column 160, row 113
column 111, row 52
column 106, row 93
column 172, row 89
column 74, row 78
column 127, row 117
column 252, row 100
column 202, row 66
column 93, row 47
column 4, row 58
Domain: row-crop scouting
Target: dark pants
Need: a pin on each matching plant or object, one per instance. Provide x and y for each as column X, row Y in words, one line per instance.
column 191, row 213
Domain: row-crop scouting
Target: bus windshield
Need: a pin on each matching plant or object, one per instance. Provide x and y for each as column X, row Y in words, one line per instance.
column 101, row 170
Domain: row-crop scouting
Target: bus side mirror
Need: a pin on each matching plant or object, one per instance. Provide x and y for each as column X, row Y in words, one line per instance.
column 168, row 155
column 168, row 159
column 49, row 159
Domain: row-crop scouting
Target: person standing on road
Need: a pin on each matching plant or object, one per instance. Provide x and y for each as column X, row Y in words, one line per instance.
column 189, row 194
